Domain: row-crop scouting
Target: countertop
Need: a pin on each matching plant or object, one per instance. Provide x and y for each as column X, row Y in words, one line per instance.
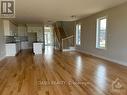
column 38, row 42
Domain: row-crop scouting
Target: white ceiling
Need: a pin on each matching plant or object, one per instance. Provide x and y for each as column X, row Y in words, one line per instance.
column 38, row 11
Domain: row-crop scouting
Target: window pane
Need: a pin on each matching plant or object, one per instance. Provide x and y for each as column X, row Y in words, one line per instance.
column 101, row 33
column 79, row 27
column 103, row 24
column 102, row 39
column 78, row 32
column 79, row 37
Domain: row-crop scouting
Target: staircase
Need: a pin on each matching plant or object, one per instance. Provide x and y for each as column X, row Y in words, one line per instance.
column 63, row 42
column 68, row 43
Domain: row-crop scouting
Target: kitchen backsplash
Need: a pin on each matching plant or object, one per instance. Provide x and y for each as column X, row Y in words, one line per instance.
column 10, row 39
column 23, row 38
column 13, row 39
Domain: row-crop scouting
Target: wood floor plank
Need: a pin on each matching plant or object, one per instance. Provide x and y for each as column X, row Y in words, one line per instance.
column 61, row 73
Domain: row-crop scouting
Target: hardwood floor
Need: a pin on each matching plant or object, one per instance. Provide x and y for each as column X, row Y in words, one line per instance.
column 61, row 73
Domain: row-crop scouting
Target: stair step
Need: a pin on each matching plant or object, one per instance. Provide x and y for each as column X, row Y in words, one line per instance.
column 72, row 48
column 69, row 49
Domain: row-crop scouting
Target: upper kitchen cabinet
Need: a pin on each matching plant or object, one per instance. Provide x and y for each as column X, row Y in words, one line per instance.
column 22, row 30
column 38, row 29
column 34, row 28
column 10, row 29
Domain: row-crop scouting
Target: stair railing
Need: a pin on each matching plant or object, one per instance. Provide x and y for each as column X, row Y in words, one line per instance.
column 68, row 42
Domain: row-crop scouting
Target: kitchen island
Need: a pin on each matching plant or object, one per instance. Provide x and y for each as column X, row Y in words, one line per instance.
column 12, row 48
column 38, row 47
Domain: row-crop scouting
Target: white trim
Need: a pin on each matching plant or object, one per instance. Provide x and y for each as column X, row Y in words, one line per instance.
column 105, row 58
column 68, row 37
column 68, row 50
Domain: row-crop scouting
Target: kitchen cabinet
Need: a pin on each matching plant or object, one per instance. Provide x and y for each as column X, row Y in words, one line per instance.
column 12, row 49
column 22, row 30
column 24, row 45
column 38, row 29
column 37, row 47
column 10, row 29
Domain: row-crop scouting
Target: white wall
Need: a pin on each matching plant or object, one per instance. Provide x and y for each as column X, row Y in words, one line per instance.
column 116, row 37
column 2, row 41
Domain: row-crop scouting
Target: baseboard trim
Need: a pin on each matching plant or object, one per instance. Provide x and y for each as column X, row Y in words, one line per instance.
column 102, row 57
column 69, row 49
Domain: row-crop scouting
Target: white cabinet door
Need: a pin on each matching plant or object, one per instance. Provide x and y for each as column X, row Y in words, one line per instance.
column 10, row 29
column 13, row 29
column 10, row 49
column 18, row 47
column 24, row 45
column 22, row 31
column 7, row 28
column 37, row 48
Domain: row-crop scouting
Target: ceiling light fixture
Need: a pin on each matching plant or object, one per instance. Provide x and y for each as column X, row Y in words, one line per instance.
column 49, row 21
column 73, row 16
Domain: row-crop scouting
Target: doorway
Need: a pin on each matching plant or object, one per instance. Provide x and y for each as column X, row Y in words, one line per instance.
column 48, row 33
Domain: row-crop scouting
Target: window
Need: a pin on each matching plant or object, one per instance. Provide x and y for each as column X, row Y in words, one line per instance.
column 78, row 34
column 101, row 33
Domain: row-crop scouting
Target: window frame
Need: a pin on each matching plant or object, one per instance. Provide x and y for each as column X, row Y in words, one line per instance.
column 79, row 31
column 98, row 31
